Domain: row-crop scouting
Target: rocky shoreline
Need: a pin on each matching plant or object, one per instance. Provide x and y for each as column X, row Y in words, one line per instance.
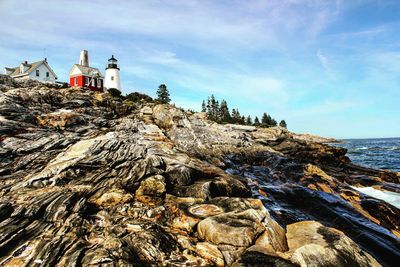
column 88, row 180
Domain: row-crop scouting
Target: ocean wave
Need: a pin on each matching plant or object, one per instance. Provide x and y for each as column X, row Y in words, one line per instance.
column 377, row 148
column 362, row 148
column 387, row 196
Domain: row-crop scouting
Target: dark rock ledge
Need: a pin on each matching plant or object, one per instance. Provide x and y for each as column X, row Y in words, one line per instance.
column 87, row 180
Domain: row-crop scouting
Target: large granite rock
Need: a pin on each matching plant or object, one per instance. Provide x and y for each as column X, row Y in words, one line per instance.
column 312, row 244
column 236, row 229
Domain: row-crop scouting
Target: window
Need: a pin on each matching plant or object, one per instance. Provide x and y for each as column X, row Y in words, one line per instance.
column 93, row 82
column 37, row 73
column 47, row 74
column 86, row 81
column 99, row 83
column 112, row 78
column 76, row 81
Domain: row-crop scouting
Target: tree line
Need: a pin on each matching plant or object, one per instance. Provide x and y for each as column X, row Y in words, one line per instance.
column 216, row 111
column 219, row 112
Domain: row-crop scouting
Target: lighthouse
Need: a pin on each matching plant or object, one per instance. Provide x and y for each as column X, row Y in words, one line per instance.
column 112, row 75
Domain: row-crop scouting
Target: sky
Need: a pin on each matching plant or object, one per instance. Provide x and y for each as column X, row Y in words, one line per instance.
column 330, row 68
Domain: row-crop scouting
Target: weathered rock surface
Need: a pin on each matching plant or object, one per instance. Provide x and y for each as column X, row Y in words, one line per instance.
column 313, row 138
column 312, row 244
column 86, row 180
column 236, row 229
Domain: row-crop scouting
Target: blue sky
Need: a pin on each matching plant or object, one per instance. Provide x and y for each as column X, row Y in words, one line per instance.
column 327, row 67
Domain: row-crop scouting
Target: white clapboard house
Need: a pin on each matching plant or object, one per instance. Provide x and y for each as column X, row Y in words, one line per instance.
column 39, row 70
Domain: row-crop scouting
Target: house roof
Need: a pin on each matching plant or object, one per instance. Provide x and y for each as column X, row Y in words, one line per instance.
column 31, row 67
column 88, row 71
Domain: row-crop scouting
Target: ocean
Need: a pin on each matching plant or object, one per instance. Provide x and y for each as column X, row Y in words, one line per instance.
column 378, row 153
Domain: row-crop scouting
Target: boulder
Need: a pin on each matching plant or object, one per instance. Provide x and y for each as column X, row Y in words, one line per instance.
column 162, row 116
column 153, row 186
column 256, row 256
column 146, row 113
column 231, row 253
column 312, row 244
column 151, row 190
column 205, row 210
column 273, row 239
column 237, row 229
column 210, row 252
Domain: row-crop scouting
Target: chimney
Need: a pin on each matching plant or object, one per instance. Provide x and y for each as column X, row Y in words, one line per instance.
column 84, row 58
column 25, row 62
column 45, row 59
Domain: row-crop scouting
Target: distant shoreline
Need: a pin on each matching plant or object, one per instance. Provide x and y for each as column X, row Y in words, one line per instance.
column 372, row 138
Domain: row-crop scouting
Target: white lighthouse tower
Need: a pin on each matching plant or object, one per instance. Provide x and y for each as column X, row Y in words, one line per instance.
column 112, row 75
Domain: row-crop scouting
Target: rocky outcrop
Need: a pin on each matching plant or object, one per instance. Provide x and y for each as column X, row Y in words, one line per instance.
column 87, row 180
column 313, row 138
column 312, row 244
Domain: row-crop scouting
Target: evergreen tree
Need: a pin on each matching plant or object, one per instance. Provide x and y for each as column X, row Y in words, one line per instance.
column 236, row 117
column 265, row 119
column 224, row 110
column 203, row 107
column 219, row 112
column 249, row 120
column 217, row 116
column 212, row 107
column 243, row 120
column 283, row 124
column 268, row 121
column 163, row 94
column 209, row 107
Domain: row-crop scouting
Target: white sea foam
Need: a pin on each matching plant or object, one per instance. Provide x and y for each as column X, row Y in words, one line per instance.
column 387, row 196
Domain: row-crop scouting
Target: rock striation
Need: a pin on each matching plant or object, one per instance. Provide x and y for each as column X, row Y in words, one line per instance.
column 88, row 180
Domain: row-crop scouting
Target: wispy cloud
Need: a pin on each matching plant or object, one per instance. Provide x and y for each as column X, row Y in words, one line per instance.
column 323, row 59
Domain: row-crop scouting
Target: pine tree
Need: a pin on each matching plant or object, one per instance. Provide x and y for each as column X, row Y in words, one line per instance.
column 209, row 107
column 249, row 120
column 163, row 94
column 265, row 119
column 203, row 107
column 256, row 121
column 243, row 120
column 268, row 121
column 283, row 124
column 217, row 112
column 234, row 115
column 224, row 110
column 213, row 107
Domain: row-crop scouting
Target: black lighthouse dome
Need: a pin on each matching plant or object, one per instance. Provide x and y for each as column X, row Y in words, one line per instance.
column 112, row 63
